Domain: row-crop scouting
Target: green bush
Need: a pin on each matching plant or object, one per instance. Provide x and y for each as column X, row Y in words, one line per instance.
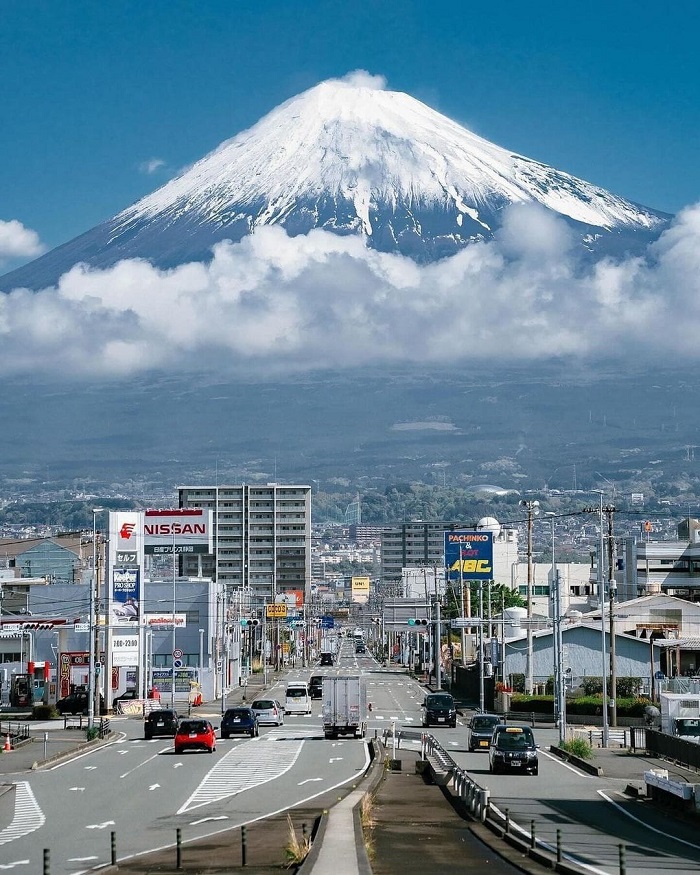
column 92, row 732
column 627, row 688
column 44, row 712
column 579, row 747
column 538, row 704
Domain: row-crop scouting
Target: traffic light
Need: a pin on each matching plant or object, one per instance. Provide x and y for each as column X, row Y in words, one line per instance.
column 247, row 621
column 415, row 621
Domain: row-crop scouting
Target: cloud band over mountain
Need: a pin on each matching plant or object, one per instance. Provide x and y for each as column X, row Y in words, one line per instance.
column 273, row 304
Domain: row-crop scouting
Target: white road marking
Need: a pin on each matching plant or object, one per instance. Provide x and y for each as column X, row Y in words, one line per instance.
column 12, row 865
column 335, row 759
column 78, row 789
column 126, row 774
column 207, row 819
column 103, row 825
column 624, row 811
column 308, row 781
column 154, row 786
column 177, row 765
column 82, row 859
column 246, row 766
column 89, row 768
column 27, row 817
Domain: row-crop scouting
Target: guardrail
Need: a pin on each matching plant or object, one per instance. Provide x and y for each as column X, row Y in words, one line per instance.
column 476, row 801
column 632, row 737
column 16, row 730
column 680, row 750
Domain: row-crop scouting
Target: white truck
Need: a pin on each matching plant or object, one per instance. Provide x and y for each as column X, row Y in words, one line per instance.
column 344, row 706
column 680, row 715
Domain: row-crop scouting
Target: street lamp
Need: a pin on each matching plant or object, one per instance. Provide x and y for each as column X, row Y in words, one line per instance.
column 532, row 509
column 92, row 624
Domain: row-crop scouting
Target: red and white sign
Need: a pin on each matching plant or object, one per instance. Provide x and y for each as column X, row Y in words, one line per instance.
column 187, row 530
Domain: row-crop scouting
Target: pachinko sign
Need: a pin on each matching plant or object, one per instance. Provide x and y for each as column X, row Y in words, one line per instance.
column 469, row 555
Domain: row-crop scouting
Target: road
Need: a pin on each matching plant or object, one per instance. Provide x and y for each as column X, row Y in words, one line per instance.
column 142, row 791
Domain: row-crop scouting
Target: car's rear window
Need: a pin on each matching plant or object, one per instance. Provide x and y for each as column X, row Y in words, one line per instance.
column 484, row 722
column 296, row 693
column 262, row 705
column 197, row 726
column 238, row 712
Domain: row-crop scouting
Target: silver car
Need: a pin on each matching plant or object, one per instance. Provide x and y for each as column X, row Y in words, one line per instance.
column 268, row 711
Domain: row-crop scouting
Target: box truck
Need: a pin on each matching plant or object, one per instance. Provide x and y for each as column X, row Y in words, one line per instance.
column 344, row 706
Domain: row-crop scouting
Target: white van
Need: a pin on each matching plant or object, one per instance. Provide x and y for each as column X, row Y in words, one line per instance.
column 297, row 698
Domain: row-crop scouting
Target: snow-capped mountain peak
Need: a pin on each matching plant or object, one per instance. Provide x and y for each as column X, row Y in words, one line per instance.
column 352, row 159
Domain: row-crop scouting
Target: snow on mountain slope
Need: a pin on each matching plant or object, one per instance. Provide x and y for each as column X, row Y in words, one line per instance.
column 351, row 159
column 372, row 147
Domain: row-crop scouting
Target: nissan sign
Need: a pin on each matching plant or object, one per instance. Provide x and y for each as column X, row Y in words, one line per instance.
column 184, row 530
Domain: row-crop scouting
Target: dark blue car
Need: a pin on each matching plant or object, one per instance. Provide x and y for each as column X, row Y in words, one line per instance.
column 239, row 721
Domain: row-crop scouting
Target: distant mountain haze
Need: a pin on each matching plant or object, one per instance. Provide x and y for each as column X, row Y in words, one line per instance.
column 352, row 159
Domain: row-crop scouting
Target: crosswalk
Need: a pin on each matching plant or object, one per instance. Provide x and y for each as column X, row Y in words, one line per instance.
column 248, row 765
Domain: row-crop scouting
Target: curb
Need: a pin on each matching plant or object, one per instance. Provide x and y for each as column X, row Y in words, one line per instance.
column 580, row 763
column 74, row 751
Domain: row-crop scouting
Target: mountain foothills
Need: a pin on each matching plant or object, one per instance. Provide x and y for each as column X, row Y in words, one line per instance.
column 350, row 159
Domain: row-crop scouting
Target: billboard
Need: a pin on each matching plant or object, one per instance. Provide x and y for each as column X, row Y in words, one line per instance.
column 469, row 555
column 165, row 621
column 125, row 650
column 360, row 589
column 182, row 530
column 126, row 595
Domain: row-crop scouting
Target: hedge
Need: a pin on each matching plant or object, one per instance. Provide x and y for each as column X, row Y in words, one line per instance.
column 584, row 705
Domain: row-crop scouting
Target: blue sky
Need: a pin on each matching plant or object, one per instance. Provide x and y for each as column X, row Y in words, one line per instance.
column 103, row 101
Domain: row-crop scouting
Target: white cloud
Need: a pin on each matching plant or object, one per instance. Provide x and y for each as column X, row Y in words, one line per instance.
column 153, row 165
column 275, row 304
column 363, row 79
column 16, row 241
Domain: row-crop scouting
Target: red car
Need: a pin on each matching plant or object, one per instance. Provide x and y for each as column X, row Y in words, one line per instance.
column 195, row 735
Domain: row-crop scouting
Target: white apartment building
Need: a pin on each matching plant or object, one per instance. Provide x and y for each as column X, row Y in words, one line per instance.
column 262, row 538
column 647, row 567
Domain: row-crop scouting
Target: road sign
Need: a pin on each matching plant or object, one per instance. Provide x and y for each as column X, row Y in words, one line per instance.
column 327, row 622
column 277, row 609
column 81, row 627
column 177, row 663
column 465, row 622
column 177, row 653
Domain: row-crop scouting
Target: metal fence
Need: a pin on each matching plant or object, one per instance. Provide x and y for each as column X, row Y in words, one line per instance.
column 681, row 751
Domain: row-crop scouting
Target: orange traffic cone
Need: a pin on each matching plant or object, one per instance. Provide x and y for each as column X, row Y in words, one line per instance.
column 8, row 744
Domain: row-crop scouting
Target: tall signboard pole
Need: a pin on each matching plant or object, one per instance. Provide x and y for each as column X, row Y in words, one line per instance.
column 469, row 556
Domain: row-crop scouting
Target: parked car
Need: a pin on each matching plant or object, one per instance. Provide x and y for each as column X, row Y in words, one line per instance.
column 268, row 711
column 316, row 686
column 76, row 703
column 513, row 749
column 481, row 728
column 439, row 709
column 239, row 721
column 127, row 696
column 195, row 735
column 162, row 721
column 297, row 699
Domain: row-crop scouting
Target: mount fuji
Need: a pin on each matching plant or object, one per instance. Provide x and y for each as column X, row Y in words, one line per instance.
column 350, row 159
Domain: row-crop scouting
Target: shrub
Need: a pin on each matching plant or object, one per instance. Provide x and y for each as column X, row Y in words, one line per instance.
column 44, row 712
column 579, row 747
column 539, row 704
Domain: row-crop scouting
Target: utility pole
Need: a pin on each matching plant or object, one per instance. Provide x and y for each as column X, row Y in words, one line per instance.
column 532, row 508
column 609, row 510
column 601, row 601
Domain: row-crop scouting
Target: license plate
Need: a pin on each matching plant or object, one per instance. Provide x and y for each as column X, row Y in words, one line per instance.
column 236, row 719
column 193, row 734
column 515, row 764
column 441, row 719
column 483, row 744
column 160, row 723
